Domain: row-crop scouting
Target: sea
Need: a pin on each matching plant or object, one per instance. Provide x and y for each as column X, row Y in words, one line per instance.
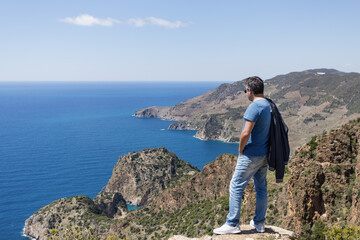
column 61, row 139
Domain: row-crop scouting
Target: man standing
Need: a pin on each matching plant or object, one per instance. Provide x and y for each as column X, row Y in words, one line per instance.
column 252, row 160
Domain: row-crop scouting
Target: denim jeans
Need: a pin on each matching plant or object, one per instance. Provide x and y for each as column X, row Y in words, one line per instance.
column 247, row 167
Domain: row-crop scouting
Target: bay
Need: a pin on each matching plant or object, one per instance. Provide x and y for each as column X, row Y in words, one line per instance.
column 61, row 139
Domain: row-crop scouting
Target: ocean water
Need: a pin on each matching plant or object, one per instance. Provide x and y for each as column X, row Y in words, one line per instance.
column 63, row 139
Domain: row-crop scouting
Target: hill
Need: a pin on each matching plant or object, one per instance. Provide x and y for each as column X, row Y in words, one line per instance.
column 310, row 101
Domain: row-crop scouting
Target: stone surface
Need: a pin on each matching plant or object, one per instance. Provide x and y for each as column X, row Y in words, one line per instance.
column 248, row 233
column 111, row 204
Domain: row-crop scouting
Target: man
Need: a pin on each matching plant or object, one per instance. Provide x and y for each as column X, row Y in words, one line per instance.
column 252, row 160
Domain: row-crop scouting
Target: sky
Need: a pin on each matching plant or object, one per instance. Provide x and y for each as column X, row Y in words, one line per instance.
column 172, row 40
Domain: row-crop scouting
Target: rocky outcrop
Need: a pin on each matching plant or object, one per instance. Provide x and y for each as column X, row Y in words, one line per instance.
column 111, row 204
column 211, row 183
column 324, row 183
column 142, row 175
column 137, row 177
column 247, row 233
column 182, row 125
column 65, row 213
column 152, row 112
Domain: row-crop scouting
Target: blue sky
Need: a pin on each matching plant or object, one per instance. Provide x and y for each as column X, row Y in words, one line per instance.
column 199, row 40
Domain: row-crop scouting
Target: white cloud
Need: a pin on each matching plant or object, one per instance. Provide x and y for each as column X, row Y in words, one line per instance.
column 141, row 22
column 87, row 20
column 165, row 23
column 137, row 22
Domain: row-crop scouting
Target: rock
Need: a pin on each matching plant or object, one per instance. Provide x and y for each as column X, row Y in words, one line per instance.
column 248, row 233
column 140, row 176
column 182, row 125
column 111, row 204
column 324, row 180
column 212, row 182
column 63, row 213
column 152, row 112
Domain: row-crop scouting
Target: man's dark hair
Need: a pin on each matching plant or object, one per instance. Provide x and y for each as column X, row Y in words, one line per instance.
column 255, row 83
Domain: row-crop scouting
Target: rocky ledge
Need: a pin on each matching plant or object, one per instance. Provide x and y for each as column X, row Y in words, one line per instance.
column 247, row 233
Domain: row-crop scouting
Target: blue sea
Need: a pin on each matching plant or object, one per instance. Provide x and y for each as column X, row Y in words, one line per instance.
column 61, row 139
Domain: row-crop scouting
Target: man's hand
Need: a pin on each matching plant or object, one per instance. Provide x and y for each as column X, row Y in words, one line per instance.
column 245, row 135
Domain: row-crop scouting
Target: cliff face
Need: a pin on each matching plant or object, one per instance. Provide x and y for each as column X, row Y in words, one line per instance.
column 142, row 175
column 324, row 183
column 211, row 183
column 310, row 101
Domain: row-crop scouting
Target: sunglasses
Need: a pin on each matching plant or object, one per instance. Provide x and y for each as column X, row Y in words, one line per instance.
column 245, row 89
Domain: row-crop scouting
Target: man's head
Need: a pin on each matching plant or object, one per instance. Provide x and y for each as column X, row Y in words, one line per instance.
column 255, row 84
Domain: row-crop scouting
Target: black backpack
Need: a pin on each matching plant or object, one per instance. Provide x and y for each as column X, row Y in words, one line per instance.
column 279, row 148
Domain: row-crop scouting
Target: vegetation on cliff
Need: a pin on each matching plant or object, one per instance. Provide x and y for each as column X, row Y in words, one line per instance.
column 67, row 213
column 325, row 181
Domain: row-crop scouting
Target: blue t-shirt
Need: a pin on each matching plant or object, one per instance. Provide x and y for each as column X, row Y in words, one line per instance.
column 258, row 112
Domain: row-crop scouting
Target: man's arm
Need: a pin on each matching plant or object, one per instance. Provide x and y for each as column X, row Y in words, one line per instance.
column 245, row 135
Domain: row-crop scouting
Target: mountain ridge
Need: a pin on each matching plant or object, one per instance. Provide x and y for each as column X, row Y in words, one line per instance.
column 306, row 99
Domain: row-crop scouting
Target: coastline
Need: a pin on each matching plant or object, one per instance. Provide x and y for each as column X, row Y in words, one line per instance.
column 26, row 236
column 67, row 139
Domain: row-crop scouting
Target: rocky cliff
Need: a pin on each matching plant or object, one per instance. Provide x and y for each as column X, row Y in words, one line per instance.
column 325, row 180
column 137, row 178
column 210, row 184
column 310, row 101
column 64, row 214
column 320, row 190
column 142, row 175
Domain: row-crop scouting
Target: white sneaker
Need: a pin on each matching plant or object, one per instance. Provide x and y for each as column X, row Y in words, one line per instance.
column 226, row 229
column 259, row 227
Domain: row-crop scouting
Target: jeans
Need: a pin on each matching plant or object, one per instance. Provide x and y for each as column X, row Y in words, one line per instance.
column 247, row 167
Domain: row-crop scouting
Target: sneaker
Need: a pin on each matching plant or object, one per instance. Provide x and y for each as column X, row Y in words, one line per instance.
column 227, row 229
column 259, row 227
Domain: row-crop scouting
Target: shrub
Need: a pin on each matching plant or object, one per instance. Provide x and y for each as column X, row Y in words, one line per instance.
column 343, row 233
